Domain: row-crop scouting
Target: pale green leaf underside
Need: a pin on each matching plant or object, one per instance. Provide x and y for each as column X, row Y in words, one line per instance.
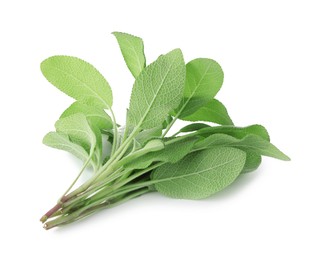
column 133, row 52
column 61, row 141
column 214, row 111
column 77, row 128
column 96, row 116
column 78, row 79
column 200, row 174
column 157, row 91
column 204, row 78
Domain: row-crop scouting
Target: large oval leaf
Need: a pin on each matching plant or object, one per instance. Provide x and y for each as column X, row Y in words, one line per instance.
column 157, row 91
column 200, row 174
column 78, row 79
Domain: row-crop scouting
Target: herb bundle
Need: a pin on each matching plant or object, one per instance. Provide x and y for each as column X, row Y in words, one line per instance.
column 194, row 163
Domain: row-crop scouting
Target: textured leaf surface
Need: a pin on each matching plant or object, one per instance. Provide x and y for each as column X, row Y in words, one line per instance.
column 61, row 141
column 171, row 153
column 96, row 116
column 77, row 128
column 157, row 91
column 148, row 134
column 200, row 174
column 204, row 78
column 250, row 143
column 238, row 132
column 78, row 79
column 214, row 111
column 133, row 52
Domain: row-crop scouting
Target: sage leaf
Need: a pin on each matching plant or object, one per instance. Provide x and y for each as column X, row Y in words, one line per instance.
column 133, row 52
column 253, row 161
column 251, row 143
column 237, row 132
column 78, row 79
column 172, row 153
column 79, row 131
column 200, row 174
column 157, row 91
column 214, row 111
column 96, row 116
column 192, row 127
column 204, row 78
column 61, row 141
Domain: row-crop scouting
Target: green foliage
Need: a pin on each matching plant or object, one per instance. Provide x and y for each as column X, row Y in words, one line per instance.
column 157, row 91
column 214, row 111
column 133, row 52
column 96, row 116
column 78, row 79
column 200, row 174
column 197, row 161
column 204, row 78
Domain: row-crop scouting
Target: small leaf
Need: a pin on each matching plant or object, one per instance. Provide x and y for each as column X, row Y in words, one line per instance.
column 157, row 91
column 204, row 78
column 146, row 135
column 96, row 116
column 193, row 127
column 78, row 79
column 253, row 161
column 214, row 111
column 133, row 52
column 200, row 174
column 61, row 141
column 77, row 128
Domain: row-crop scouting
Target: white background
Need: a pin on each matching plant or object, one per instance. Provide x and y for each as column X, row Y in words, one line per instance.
column 272, row 53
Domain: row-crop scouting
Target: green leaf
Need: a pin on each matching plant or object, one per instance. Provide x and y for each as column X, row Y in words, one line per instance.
column 157, row 91
column 172, row 153
column 204, row 78
column 215, row 140
column 146, row 135
column 253, row 161
column 61, row 141
column 133, row 52
column 78, row 79
column 193, row 127
column 256, row 144
column 200, row 174
column 167, row 121
column 77, row 128
column 238, row 132
column 250, row 143
column 214, row 111
column 96, row 116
